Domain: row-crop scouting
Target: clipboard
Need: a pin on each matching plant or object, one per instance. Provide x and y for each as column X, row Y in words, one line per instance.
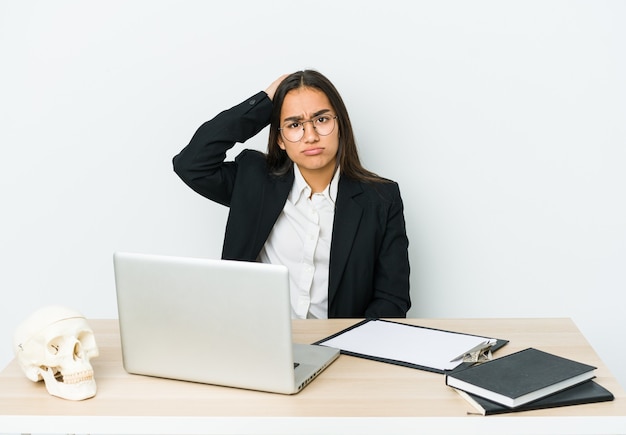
column 413, row 346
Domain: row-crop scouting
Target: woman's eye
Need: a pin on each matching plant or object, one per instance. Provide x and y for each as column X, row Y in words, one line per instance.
column 322, row 119
column 294, row 125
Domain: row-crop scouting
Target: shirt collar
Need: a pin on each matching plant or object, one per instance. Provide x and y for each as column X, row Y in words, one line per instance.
column 301, row 189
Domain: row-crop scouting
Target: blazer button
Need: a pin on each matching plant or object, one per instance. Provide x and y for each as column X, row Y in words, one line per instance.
column 252, row 102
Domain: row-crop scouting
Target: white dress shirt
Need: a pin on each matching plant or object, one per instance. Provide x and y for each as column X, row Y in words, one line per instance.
column 300, row 239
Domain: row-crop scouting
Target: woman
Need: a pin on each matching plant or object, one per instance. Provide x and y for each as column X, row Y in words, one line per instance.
column 308, row 203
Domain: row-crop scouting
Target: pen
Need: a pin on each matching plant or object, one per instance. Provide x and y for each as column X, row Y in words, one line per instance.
column 480, row 346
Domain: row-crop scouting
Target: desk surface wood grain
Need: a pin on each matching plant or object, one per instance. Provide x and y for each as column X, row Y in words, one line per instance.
column 350, row 387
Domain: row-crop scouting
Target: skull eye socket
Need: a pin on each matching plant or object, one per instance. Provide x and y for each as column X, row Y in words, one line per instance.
column 61, row 344
column 88, row 344
column 54, row 345
column 87, row 339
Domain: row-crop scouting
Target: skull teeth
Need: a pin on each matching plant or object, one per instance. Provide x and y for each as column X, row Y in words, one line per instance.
column 78, row 377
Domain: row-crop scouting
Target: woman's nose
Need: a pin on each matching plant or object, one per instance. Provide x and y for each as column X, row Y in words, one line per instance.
column 310, row 134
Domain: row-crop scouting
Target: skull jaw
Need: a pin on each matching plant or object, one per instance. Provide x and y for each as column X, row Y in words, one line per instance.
column 82, row 390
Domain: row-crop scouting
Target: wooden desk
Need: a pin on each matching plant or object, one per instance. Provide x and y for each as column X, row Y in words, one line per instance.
column 352, row 396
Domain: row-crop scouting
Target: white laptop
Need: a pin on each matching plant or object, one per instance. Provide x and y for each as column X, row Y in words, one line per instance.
column 212, row 321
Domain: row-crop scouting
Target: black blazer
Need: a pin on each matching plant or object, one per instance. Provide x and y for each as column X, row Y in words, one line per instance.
column 369, row 266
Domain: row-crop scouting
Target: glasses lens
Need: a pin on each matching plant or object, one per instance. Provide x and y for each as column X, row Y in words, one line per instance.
column 323, row 124
column 293, row 132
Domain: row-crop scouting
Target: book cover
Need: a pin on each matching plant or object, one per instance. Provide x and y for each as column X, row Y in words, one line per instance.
column 587, row 392
column 522, row 377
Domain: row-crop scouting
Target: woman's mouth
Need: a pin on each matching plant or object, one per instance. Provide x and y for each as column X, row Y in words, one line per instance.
column 312, row 151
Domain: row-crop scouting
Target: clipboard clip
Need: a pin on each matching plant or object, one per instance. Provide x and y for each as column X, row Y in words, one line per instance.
column 480, row 352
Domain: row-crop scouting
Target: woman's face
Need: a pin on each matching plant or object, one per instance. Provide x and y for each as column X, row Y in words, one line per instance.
column 315, row 153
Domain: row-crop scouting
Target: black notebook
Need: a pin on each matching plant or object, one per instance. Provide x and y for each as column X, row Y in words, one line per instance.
column 587, row 392
column 522, row 377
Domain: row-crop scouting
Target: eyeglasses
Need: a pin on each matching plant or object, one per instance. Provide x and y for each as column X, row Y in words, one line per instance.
column 294, row 130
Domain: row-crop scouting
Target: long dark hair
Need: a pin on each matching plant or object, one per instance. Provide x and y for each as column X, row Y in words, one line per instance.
column 347, row 155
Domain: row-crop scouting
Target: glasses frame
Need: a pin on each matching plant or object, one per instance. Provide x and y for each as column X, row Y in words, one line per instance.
column 334, row 118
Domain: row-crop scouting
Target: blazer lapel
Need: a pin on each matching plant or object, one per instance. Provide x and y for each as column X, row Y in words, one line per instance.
column 348, row 214
column 273, row 200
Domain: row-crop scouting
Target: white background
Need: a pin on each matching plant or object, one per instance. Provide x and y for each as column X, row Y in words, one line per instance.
column 503, row 122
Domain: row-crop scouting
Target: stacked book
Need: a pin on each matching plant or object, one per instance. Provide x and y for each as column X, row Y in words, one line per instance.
column 525, row 380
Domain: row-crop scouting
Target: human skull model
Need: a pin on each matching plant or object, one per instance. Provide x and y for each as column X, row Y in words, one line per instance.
column 55, row 344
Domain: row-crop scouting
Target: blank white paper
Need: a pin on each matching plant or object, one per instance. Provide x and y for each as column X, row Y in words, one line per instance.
column 416, row 345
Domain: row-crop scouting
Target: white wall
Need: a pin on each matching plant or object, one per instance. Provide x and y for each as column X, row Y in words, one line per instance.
column 503, row 122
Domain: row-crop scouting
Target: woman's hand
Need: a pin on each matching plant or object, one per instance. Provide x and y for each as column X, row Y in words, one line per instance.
column 271, row 90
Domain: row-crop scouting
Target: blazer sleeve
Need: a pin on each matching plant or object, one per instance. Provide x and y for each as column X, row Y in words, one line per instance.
column 391, row 296
column 201, row 164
